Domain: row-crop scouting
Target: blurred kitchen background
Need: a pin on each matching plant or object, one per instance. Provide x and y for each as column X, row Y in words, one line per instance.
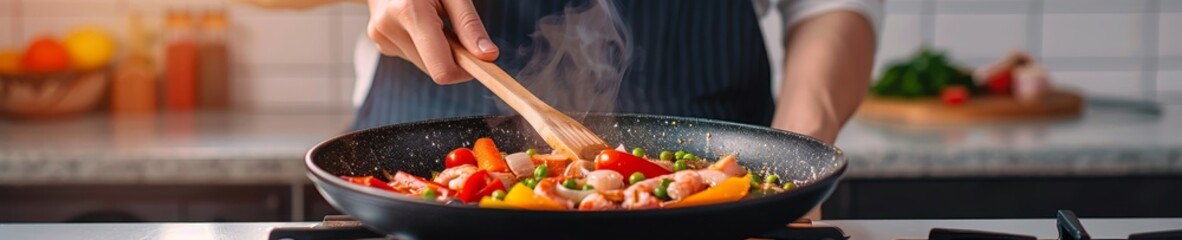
column 121, row 139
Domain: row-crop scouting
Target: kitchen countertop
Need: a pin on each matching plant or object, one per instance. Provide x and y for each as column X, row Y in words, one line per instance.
column 170, row 148
column 856, row 229
column 237, row 148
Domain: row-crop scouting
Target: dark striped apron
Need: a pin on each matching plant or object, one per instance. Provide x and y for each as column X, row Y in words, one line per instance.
column 695, row 58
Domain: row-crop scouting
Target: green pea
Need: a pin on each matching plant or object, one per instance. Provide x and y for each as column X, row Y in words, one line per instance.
column 635, row 178
column 530, row 182
column 639, row 152
column 680, row 165
column 531, row 152
column 789, row 185
column 689, row 156
column 666, row 155
column 662, row 191
column 679, row 155
column 499, row 195
column 588, row 187
column 541, row 171
column 570, row 183
column 430, row 194
column 773, row 179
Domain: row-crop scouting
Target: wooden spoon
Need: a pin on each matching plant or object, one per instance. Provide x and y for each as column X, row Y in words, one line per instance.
column 560, row 131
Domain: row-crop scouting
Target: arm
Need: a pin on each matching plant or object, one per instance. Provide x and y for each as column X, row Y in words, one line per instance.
column 827, row 68
column 293, row 4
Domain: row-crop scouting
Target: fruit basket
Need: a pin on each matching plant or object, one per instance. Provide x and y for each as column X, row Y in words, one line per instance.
column 51, row 79
column 52, row 95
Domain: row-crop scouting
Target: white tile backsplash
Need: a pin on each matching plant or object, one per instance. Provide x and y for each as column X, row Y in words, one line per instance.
column 903, row 6
column 8, row 40
column 349, row 29
column 304, row 40
column 1169, row 80
column 900, row 38
column 1092, row 35
column 1097, row 6
column 1169, row 35
column 35, row 26
column 1106, row 83
column 983, row 6
column 980, row 35
column 69, row 8
column 301, row 59
column 285, row 87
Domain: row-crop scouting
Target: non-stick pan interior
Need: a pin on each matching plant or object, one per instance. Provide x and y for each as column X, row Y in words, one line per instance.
column 419, row 148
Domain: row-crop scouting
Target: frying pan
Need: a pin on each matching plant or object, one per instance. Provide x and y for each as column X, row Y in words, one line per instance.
column 420, row 147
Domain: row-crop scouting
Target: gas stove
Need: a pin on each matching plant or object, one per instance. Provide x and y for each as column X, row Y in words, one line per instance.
column 1067, row 225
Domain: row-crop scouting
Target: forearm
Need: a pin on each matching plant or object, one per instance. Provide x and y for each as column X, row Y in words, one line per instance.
column 294, row 4
column 827, row 68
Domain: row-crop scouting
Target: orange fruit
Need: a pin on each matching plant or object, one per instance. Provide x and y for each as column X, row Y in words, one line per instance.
column 45, row 55
column 10, row 61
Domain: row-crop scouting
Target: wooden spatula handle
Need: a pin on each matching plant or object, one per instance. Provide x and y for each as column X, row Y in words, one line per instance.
column 501, row 84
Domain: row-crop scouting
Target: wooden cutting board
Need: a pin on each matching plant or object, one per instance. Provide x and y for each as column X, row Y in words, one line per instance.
column 1057, row 104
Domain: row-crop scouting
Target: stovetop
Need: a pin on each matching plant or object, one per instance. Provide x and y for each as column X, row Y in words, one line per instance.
column 1067, row 224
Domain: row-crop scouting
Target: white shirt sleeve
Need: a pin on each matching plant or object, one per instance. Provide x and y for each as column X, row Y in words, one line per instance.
column 795, row 11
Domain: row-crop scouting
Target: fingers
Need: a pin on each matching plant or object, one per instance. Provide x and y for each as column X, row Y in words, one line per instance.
column 470, row 29
column 413, row 30
column 433, row 48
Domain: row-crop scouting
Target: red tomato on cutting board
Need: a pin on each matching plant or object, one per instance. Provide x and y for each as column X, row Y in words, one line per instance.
column 45, row 55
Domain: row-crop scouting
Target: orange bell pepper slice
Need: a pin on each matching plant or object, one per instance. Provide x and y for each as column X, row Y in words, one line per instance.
column 729, row 190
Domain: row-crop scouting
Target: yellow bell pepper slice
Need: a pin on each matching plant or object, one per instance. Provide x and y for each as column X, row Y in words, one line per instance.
column 489, row 202
column 521, row 196
column 731, row 189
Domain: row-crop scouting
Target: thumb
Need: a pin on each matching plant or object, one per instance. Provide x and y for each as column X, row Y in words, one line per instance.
column 470, row 30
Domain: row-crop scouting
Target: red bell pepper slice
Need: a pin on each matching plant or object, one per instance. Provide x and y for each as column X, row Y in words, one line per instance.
column 370, row 181
column 495, row 185
column 626, row 164
column 476, row 182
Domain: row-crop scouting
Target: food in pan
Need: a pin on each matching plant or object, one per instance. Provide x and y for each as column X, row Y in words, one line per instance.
column 616, row 179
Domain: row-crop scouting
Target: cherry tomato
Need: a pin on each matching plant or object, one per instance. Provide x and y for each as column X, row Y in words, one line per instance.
column 460, row 156
column 954, row 95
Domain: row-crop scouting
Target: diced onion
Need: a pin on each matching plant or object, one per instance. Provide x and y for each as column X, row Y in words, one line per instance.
column 520, row 164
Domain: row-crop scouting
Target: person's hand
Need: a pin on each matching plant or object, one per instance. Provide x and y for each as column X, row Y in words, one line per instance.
column 413, row 30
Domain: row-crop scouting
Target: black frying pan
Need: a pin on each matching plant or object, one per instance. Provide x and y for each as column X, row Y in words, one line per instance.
column 419, row 148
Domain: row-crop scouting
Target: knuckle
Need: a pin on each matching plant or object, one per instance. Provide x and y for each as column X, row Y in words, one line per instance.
column 470, row 21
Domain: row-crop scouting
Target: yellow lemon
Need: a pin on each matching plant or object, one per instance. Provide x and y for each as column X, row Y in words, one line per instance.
column 10, row 61
column 90, row 47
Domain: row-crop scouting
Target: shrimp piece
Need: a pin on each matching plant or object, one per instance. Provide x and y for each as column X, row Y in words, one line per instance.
column 640, row 198
column 712, row 177
column 727, row 164
column 454, row 177
column 685, row 183
column 597, row 202
column 546, row 189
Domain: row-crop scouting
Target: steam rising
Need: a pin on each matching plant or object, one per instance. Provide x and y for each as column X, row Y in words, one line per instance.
column 578, row 58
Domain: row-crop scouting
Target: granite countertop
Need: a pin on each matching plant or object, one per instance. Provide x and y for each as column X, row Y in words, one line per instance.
column 252, row 148
column 1108, row 140
column 171, row 148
